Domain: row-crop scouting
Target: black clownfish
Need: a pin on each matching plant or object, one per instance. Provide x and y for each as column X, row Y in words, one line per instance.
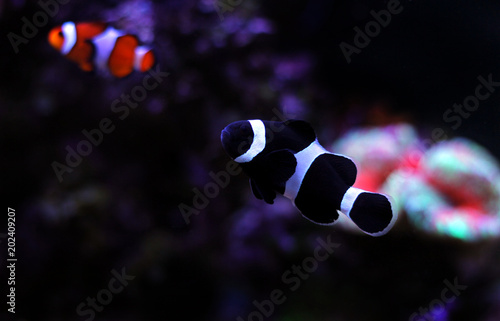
column 286, row 158
column 95, row 45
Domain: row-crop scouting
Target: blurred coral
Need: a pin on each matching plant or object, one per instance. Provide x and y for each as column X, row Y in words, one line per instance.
column 118, row 207
column 450, row 189
column 453, row 192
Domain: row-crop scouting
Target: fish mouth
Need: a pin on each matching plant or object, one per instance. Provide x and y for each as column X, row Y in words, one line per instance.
column 225, row 136
column 230, row 142
column 227, row 140
column 234, row 135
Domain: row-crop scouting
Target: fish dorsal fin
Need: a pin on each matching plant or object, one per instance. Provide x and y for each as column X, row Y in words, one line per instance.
column 89, row 30
column 344, row 166
column 302, row 128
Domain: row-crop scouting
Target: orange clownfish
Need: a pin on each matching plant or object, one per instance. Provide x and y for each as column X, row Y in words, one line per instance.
column 95, row 45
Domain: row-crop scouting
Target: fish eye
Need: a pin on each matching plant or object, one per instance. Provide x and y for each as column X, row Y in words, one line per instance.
column 60, row 34
column 246, row 130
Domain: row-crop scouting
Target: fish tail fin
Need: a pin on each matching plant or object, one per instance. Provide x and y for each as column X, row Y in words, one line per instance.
column 373, row 213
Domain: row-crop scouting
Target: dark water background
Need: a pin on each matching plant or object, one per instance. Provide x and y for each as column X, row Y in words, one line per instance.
column 119, row 207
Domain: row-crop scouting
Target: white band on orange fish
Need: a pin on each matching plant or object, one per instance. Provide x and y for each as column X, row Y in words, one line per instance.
column 258, row 144
column 69, row 33
column 139, row 55
column 104, row 43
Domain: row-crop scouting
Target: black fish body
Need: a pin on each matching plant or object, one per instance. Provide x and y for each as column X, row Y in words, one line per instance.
column 286, row 158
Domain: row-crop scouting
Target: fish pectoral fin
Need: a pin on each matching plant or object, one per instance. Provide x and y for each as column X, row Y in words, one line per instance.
column 263, row 192
column 344, row 166
column 280, row 167
column 302, row 128
column 277, row 168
